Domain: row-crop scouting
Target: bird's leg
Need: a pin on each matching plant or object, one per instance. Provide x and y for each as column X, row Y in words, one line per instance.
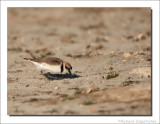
column 69, row 72
column 48, row 74
column 42, row 73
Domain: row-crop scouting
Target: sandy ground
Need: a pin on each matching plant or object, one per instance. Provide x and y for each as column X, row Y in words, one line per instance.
column 108, row 48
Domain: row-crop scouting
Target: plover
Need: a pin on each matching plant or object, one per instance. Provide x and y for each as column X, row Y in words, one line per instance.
column 51, row 64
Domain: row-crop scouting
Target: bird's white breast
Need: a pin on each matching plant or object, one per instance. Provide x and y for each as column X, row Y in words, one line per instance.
column 45, row 66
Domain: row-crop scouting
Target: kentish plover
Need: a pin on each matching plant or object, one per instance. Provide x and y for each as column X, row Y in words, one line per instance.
column 51, row 64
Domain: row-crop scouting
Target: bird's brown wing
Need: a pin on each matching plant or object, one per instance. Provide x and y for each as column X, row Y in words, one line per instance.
column 49, row 60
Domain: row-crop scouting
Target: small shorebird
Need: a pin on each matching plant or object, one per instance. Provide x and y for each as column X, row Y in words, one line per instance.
column 51, row 64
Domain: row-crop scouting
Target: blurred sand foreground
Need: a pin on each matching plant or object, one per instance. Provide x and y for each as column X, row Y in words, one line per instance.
column 108, row 48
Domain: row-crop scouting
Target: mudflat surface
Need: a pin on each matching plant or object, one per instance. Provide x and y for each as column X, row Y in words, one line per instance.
column 108, row 48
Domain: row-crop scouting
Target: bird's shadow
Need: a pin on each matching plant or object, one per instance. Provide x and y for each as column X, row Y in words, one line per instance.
column 60, row 76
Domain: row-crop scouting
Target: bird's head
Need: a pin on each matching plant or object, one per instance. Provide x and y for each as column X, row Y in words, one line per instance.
column 68, row 67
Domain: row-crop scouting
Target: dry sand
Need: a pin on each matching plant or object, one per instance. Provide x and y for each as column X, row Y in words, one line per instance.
column 109, row 50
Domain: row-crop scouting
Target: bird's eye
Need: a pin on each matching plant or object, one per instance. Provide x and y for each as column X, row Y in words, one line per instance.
column 66, row 67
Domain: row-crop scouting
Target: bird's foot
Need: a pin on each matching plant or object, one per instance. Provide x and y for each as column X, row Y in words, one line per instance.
column 45, row 76
column 42, row 72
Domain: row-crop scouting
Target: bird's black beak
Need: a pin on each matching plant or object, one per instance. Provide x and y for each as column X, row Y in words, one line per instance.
column 69, row 72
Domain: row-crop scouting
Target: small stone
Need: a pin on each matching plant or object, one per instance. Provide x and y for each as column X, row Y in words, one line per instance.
column 135, row 53
column 106, row 38
column 124, row 61
column 9, row 96
column 141, row 52
column 109, row 68
column 56, row 88
column 89, row 90
column 141, row 36
column 27, row 85
column 92, row 88
column 126, row 55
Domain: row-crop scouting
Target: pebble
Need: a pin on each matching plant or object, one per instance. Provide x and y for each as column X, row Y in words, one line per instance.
column 56, row 88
